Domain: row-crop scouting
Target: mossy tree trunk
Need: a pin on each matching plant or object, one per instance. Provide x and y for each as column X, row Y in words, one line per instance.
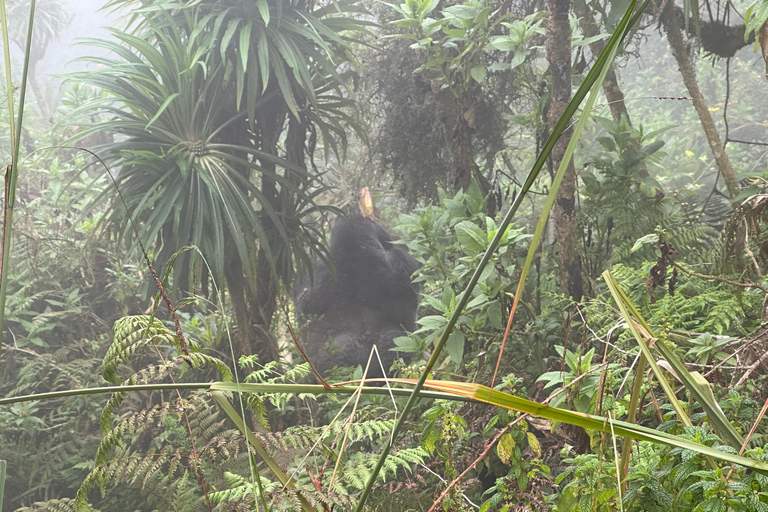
column 558, row 49
column 611, row 87
column 671, row 25
column 458, row 118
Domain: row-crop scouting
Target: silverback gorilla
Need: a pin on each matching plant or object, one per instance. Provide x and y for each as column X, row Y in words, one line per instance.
column 370, row 301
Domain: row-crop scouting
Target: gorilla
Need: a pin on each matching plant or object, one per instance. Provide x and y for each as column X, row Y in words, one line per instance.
column 371, row 300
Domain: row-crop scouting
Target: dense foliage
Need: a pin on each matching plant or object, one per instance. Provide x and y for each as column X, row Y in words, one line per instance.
column 229, row 134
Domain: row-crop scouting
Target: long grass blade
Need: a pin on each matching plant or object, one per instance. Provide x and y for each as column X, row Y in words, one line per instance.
column 634, row 399
column 12, row 173
column 694, row 382
column 315, row 389
column 8, row 76
column 609, row 426
column 259, row 447
column 642, row 333
column 2, row 482
column 645, row 337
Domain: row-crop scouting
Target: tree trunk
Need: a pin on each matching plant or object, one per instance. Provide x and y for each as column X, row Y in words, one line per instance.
column 611, row 84
column 677, row 45
column 464, row 162
column 558, row 49
column 269, row 127
column 240, row 297
column 464, row 167
column 254, row 300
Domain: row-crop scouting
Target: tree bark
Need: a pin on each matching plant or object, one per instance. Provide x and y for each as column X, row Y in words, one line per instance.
column 464, row 167
column 240, row 297
column 611, row 87
column 464, row 162
column 269, row 126
column 558, row 49
column 677, row 45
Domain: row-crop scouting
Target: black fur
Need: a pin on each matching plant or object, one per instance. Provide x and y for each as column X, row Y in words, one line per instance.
column 370, row 301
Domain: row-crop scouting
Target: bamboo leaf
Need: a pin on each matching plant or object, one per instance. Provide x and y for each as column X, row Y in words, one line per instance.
column 500, row 399
column 693, row 381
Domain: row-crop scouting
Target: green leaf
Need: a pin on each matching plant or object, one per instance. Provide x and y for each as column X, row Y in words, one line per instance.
column 462, row 12
column 263, row 7
column 428, row 7
column 478, row 73
column 651, row 239
column 455, row 346
column 471, row 237
column 505, row 447
column 431, row 322
column 436, row 303
column 607, row 143
column 227, row 37
column 262, row 54
column 494, row 315
column 405, row 344
column 162, row 108
column 245, row 45
column 649, row 187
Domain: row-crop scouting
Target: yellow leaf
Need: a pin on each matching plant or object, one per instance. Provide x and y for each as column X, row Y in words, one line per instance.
column 689, row 152
column 505, row 447
column 533, row 442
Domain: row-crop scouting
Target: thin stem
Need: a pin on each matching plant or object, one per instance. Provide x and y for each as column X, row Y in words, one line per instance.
column 8, row 77
column 12, row 174
column 721, row 279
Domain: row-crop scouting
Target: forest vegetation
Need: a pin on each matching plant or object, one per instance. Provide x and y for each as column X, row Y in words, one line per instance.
column 582, row 184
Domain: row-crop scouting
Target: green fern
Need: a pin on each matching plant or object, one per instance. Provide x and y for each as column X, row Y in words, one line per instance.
column 171, row 470
column 369, row 430
column 699, row 305
column 242, row 489
column 133, row 333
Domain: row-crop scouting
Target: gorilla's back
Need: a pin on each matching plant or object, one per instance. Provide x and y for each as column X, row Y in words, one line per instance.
column 371, row 300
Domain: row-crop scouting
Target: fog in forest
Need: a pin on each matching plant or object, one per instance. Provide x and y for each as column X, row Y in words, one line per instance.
column 548, row 218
